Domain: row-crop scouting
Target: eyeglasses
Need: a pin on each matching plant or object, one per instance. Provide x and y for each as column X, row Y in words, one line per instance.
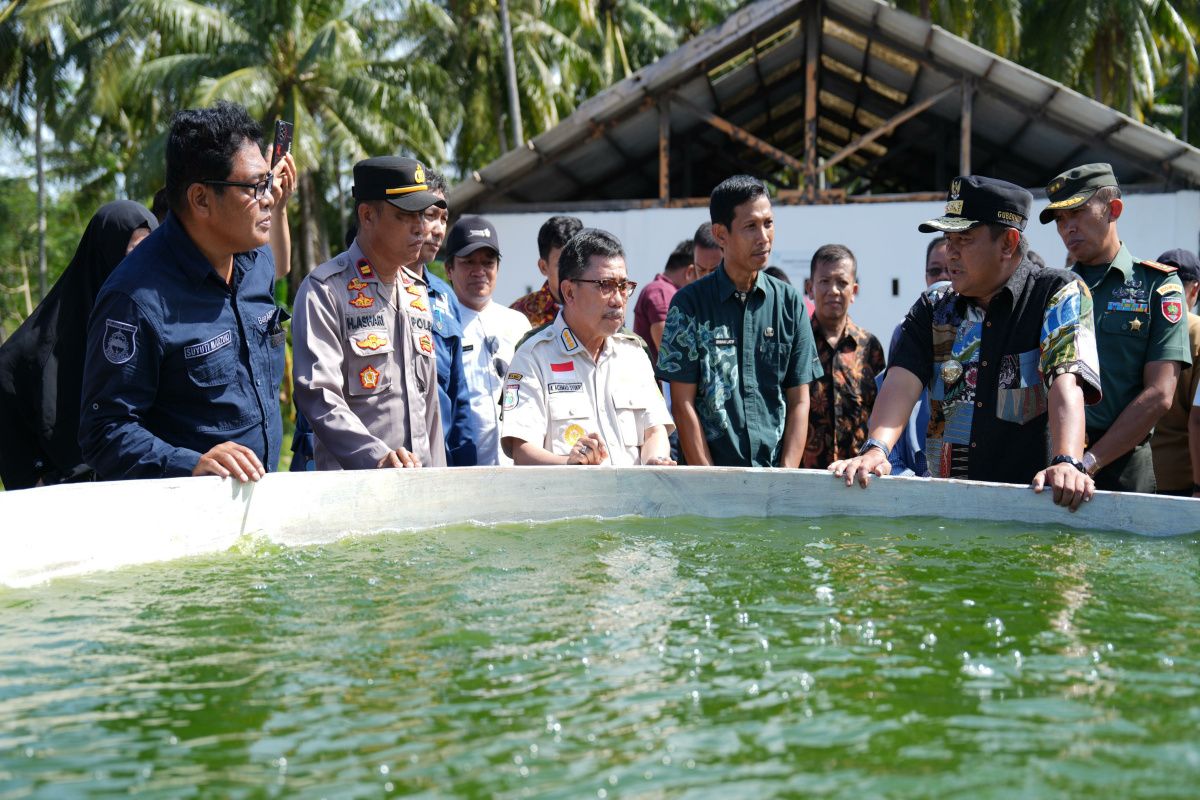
column 260, row 188
column 609, row 286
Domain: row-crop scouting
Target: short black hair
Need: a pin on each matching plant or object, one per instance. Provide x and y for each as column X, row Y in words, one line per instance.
column 436, row 181
column 730, row 194
column 573, row 260
column 201, row 145
column 831, row 254
column 705, row 238
column 996, row 230
column 158, row 206
column 778, row 274
column 555, row 233
column 935, row 242
column 681, row 257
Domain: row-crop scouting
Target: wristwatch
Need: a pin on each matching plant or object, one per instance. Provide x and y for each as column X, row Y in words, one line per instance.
column 1074, row 462
column 873, row 442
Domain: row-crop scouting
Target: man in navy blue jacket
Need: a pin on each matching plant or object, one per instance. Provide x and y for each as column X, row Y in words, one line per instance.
column 185, row 343
column 453, row 392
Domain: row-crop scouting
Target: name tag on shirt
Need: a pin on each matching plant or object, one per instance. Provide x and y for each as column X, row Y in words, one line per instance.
column 211, row 346
column 468, row 348
column 724, row 342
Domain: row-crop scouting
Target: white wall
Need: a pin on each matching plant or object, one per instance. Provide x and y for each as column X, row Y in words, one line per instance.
column 883, row 236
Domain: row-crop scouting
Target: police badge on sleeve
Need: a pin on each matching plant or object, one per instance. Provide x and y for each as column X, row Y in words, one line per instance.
column 120, row 342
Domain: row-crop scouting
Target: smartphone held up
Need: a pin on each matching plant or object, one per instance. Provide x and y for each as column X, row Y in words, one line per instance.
column 283, row 141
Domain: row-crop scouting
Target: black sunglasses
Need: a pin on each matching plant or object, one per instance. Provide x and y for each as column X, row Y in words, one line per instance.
column 260, row 187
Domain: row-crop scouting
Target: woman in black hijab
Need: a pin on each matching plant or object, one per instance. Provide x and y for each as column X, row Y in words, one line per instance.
column 41, row 365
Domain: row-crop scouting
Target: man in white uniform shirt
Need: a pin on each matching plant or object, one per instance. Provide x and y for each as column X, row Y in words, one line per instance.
column 490, row 330
column 580, row 391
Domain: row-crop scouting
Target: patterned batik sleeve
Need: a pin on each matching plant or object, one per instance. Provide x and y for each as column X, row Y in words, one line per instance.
column 1068, row 340
column 679, row 355
column 805, row 366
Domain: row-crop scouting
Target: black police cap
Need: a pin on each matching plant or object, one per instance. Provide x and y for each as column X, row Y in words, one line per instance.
column 399, row 181
column 975, row 200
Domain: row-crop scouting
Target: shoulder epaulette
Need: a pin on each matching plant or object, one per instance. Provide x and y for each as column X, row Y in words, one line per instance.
column 532, row 333
column 1160, row 267
column 629, row 335
column 331, row 267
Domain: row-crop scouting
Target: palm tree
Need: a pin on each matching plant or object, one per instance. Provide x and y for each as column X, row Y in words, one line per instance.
column 30, row 82
column 1118, row 51
column 564, row 51
column 992, row 24
column 340, row 70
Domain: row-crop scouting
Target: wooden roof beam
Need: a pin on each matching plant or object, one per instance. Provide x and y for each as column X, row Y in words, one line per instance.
column 741, row 135
column 889, row 126
column 812, row 63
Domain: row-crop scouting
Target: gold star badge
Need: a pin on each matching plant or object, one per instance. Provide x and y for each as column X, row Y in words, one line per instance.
column 1136, row 325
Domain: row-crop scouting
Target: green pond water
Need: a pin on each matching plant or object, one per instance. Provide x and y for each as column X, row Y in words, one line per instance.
column 637, row 658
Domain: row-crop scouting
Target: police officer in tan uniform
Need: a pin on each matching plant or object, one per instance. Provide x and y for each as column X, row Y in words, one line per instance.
column 580, row 391
column 365, row 373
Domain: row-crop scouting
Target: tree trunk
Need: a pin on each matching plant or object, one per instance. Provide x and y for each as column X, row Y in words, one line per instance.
column 309, row 254
column 40, row 157
column 1187, row 88
column 510, row 67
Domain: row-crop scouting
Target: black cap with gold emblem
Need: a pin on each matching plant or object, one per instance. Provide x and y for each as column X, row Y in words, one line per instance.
column 1075, row 187
column 974, row 200
column 400, row 181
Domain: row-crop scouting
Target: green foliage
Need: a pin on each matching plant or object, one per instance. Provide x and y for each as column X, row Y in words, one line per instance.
column 426, row 77
column 18, row 245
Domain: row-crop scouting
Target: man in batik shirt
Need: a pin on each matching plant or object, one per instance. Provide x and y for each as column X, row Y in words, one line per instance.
column 840, row 401
column 1008, row 356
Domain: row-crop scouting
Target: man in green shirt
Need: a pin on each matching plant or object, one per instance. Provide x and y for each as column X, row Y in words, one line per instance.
column 1142, row 341
column 738, row 348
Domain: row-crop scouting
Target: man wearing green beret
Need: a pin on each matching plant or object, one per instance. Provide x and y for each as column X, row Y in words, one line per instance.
column 1141, row 337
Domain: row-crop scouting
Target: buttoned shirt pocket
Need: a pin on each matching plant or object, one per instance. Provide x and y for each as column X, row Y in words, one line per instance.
column 631, row 408
column 1021, row 394
column 368, row 362
column 775, row 354
column 1126, row 323
column 275, row 340
column 771, row 371
column 215, row 369
column 568, row 417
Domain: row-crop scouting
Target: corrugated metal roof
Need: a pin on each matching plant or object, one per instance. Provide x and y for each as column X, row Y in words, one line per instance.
column 875, row 62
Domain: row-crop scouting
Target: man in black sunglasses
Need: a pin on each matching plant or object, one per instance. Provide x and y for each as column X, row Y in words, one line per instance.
column 186, row 344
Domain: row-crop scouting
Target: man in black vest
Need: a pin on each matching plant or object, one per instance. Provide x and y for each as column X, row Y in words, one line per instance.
column 1008, row 356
